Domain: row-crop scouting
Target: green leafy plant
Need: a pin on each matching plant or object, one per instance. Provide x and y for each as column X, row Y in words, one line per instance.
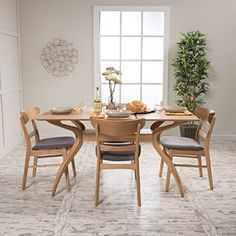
column 191, row 70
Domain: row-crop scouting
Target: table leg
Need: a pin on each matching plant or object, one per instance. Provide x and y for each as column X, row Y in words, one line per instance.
column 157, row 130
column 72, row 152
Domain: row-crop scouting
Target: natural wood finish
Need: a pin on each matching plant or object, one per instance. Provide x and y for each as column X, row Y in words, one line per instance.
column 190, row 165
column 161, row 116
column 168, row 176
column 78, row 132
column 35, row 165
column 204, row 131
column 118, row 130
column 143, row 137
column 157, row 131
column 29, row 116
column 200, row 166
column 117, row 166
column 40, row 165
column 76, row 117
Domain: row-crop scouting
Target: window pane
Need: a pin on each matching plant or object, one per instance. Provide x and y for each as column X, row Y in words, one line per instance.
column 153, row 23
column 129, row 93
column 152, row 94
column 110, row 47
column 152, row 72
column 110, row 23
column 130, row 71
column 106, row 93
column 133, row 41
column 152, row 48
column 131, row 23
column 131, row 48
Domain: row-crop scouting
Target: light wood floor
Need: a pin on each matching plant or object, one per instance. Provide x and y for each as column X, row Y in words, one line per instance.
column 200, row 212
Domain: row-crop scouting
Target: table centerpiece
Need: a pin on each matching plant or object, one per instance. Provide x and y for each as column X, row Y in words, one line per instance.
column 111, row 75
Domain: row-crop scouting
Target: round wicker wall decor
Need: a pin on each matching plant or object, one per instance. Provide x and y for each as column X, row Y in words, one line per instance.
column 59, row 57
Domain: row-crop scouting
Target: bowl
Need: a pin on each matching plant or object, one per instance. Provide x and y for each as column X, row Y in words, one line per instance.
column 174, row 109
column 118, row 113
column 61, row 110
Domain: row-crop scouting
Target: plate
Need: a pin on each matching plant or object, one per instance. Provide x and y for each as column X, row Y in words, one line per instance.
column 118, row 113
column 174, row 109
column 61, row 110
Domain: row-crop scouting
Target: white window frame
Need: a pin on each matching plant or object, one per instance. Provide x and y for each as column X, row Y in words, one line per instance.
column 96, row 41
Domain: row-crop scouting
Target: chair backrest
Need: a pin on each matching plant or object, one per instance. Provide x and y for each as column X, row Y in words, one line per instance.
column 118, row 134
column 207, row 122
column 28, row 116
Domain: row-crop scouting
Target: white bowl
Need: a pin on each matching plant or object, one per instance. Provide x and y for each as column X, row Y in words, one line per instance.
column 174, row 109
column 61, row 110
column 118, row 113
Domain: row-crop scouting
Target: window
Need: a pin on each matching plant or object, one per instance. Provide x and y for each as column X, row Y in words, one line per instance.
column 134, row 40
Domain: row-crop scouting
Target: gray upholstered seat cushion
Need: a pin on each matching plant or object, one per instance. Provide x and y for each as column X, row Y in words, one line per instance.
column 53, row 143
column 180, row 143
column 119, row 156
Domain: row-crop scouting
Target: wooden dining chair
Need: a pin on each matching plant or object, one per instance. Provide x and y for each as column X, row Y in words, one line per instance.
column 42, row 148
column 118, row 141
column 191, row 148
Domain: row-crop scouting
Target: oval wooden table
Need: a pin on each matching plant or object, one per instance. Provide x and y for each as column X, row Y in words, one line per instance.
column 160, row 123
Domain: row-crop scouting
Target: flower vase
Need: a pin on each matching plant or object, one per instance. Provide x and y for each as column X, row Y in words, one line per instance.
column 111, row 103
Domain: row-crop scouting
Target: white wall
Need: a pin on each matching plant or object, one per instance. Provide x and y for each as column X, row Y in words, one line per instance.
column 10, row 87
column 42, row 20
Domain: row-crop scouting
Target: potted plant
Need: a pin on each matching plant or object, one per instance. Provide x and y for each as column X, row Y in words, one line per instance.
column 191, row 71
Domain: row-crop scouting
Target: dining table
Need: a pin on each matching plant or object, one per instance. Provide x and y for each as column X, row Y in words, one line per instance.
column 159, row 121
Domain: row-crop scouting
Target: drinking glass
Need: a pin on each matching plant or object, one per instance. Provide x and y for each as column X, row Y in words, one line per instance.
column 122, row 106
column 82, row 104
column 158, row 108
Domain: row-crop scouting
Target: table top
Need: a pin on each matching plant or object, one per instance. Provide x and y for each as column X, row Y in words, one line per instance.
column 85, row 116
column 162, row 116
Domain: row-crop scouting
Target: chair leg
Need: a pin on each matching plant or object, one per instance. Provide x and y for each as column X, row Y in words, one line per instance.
column 132, row 162
column 35, row 165
column 161, row 168
column 208, row 163
column 162, row 164
column 138, row 183
column 26, row 167
column 73, row 167
column 200, row 165
column 67, row 176
column 168, row 177
column 97, row 182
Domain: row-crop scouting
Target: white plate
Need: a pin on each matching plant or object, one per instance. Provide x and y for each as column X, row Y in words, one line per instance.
column 61, row 110
column 174, row 109
column 118, row 113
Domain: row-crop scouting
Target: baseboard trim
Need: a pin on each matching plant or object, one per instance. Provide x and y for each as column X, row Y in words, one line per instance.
column 224, row 137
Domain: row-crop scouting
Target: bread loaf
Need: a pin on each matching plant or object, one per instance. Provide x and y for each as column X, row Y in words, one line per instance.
column 136, row 106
